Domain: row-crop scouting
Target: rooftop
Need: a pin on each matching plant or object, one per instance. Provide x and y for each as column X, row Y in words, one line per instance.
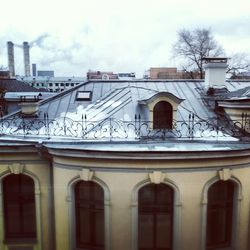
column 115, row 112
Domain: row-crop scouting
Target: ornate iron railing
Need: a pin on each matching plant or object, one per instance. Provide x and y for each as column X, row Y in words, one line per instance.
column 110, row 128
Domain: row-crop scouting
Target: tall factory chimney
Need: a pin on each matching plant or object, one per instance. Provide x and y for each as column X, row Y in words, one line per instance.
column 11, row 62
column 26, row 56
column 33, row 69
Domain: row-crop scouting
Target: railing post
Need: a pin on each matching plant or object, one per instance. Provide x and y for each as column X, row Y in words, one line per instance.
column 191, row 125
column 46, row 122
column 64, row 126
column 110, row 129
column 23, row 126
column 135, row 126
column 217, row 126
column 139, row 129
column 1, row 121
column 82, row 122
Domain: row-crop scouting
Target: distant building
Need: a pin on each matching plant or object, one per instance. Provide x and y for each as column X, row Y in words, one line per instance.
column 170, row 73
column 11, row 92
column 126, row 76
column 241, row 75
column 101, row 75
column 34, row 73
column 53, row 84
column 4, row 74
column 49, row 73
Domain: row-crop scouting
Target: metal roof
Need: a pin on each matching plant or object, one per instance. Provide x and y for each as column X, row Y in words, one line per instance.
column 13, row 85
column 119, row 100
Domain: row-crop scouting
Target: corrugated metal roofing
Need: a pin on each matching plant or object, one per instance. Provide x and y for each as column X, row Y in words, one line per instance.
column 120, row 99
column 63, row 115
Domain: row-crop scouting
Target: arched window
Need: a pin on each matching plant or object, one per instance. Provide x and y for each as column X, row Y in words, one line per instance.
column 163, row 115
column 89, row 215
column 220, row 215
column 19, row 207
column 155, row 225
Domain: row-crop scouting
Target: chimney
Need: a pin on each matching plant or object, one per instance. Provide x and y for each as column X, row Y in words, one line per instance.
column 29, row 106
column 26, row 56
column 11, row 62
column 33, row 69
column 215, row 72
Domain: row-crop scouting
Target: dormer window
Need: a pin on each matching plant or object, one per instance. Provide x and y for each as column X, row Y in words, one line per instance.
column 163, row 115
column 162, row 109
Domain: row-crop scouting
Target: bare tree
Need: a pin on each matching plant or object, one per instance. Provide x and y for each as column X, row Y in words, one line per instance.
column 192, row 46
column 239, row 62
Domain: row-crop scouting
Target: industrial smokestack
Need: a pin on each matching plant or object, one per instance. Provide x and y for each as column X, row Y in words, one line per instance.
column 26, row 57
column 11, row 62
column 34, row 69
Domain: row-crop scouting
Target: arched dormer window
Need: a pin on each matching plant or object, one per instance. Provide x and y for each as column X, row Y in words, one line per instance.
column 163, row 115
column 162, row 109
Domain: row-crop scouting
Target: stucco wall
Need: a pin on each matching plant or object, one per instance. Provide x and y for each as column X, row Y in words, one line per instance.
column 39, row 170
column 122, row 183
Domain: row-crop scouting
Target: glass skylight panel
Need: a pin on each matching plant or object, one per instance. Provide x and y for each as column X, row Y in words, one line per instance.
column 83, row 95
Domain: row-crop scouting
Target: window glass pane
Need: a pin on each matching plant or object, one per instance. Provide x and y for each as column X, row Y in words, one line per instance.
column 99, row 227
column 163, row 231
column 89, row 212
column 146, row 231
column 29, row 216
column 155, row 227
column 163, row 115
column 84, row 225
column 19, row 207
column 13, row 218
column 219, row 214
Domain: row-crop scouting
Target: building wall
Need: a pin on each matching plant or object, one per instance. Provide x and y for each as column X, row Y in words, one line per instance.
column 171, row 73
column 122, row 181
column 39, row 170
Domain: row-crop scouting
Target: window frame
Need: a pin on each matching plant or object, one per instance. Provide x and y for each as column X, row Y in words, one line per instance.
column 91, row 206
column 154, row 208
column 236, row 219
column 225, row 206
column 88, row 98
column 163, row 115
column 20, row 202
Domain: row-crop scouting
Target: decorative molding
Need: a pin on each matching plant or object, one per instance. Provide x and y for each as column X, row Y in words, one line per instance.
column 16, row 168
column 86, row 174
column 157, row 177
column 224, row 174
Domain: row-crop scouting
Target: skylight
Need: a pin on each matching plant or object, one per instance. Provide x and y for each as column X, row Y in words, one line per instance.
column 83, row 95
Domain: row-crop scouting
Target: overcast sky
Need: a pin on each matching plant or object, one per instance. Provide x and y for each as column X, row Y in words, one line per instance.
column 71, row 37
